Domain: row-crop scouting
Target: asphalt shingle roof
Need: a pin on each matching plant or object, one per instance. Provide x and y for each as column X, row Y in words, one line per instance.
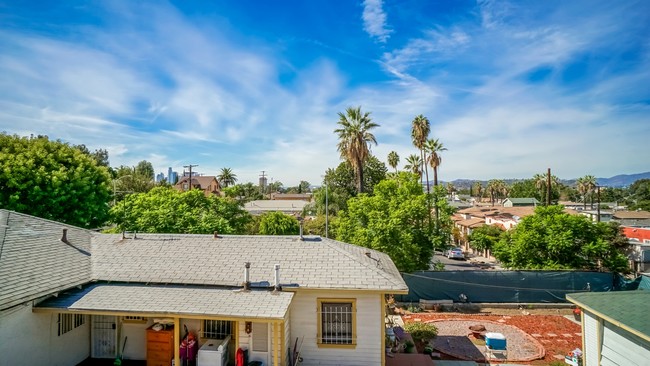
column 35, row 262
column 153, row 300
column 202, row 259
column 628, row 309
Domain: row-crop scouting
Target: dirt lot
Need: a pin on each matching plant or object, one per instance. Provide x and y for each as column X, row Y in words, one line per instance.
column 557, row 334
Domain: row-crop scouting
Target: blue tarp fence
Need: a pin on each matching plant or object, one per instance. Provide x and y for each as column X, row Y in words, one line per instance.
column 508, row 286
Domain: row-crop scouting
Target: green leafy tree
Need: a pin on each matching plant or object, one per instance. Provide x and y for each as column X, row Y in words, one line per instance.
column 485, row 237
column 100, row 155
column 477, row 188
column 278, row 223
column 586, row 186
column 53, row 180
column 145, row 170
column 167, row 210
column 393, row 160
column 342, row 184
column 554, row 239
column 227, row 177
column 130, row 180
column 303, row 187
column 355, row 136
column 393, row 221
column 245, row 192
column 316, row 226
column 525, row 189
column 640, row 195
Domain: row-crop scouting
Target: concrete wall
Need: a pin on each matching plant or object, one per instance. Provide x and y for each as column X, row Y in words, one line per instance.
column 28, row 338
column 369, row 325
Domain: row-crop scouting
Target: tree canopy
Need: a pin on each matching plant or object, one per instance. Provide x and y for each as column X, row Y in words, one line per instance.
column 554, row 239
column 485, row 237
column 640, row 195
column 167, row 210
column 53, row 180
column 278, row 223
column 393, row 221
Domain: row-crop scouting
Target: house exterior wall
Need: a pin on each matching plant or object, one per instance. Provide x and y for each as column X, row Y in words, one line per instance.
column 591, row 338
column 369, row 323
column 622, row 348
column 28, row 338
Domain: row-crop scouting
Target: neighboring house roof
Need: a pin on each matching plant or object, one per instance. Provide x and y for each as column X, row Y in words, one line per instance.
column 261, row 206
column 640, row 234
column 626, row 309
column 471, row 223
column 522, row 201
column 291, row 196
column 34, row 262
column 314, row 262
column 631, row 215
column 143, row 299
column 203, row 181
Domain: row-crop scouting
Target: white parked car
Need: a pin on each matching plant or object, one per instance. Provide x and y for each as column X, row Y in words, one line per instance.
column 455, row 253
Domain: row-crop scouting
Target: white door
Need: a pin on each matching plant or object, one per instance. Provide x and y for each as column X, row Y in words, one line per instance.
column 260, row 343
column 104, row 336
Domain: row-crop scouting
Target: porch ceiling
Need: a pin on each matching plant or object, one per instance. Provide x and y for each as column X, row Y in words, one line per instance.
column 171, row 300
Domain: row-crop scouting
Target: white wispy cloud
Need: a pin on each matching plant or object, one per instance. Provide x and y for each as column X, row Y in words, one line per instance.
column 374, row 20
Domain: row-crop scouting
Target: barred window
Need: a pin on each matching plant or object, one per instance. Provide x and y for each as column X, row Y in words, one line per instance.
column 68, row 322
column 217, row 329
column 337, row 320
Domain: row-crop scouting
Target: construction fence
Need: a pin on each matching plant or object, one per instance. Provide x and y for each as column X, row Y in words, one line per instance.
column 508, row 286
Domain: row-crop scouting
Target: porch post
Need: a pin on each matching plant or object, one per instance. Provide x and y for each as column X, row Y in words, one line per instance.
column 383, row 329
column 275, row 344
column 177, row 336
column 283, row 346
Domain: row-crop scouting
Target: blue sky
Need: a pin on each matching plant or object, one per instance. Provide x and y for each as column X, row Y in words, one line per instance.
column 510, row 88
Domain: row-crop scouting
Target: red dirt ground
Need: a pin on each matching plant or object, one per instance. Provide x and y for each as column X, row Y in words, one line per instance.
column 557, row 334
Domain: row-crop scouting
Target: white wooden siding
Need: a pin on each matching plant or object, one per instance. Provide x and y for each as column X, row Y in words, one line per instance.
column 590, row 332
column 622, row 348
column 304, row 320
column 38, row 343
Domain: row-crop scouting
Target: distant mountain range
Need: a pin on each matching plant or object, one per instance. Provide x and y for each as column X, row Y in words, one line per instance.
column 621, row 180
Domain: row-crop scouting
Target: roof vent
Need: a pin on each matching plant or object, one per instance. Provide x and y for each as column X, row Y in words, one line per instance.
column 300, row 220
column 64, row 237
column 247, row 276
column 216, row 234
column 277, row 277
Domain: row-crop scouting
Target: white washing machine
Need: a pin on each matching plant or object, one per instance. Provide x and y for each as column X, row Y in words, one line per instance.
column 214, row 352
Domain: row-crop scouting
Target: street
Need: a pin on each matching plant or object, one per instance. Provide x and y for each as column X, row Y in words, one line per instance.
column 453, row 264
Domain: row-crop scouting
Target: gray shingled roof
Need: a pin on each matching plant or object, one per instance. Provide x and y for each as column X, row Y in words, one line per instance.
column 154, row 300
column 202, row 259
column 34, row 262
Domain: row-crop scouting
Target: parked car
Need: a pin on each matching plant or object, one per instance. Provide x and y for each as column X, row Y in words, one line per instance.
column 455, row 253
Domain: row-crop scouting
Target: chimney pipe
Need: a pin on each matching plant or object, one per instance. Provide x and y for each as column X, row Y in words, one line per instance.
column 216, row 234
column 64, row 237
column 247, row 277
column 277, row 277
column 300, row 220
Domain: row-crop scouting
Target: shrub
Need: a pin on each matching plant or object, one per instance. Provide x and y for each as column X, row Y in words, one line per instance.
column 422, row 332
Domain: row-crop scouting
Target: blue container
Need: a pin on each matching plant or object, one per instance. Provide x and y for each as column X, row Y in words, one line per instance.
column 495, row 341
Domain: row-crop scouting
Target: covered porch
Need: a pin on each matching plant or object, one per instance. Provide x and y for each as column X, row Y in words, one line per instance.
column 253, row 320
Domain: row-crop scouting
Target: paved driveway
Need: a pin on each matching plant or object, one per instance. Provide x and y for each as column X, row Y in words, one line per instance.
column 453, row 264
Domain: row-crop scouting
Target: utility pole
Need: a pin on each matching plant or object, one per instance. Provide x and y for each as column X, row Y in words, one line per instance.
column 263, row 182
column 189, row 186
column 598, row 218
column 548, row 188
column 326, row 211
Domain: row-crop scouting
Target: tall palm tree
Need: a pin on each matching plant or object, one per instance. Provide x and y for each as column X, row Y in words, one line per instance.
column 354, row 139
column 589, row 187
column 494, row 188
column 420, row 129
column 541, row 184
column 478, row 189
column 227, row 177
column 393, row 160
column 451, row 189
column 434, row 147
column 414, row 164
